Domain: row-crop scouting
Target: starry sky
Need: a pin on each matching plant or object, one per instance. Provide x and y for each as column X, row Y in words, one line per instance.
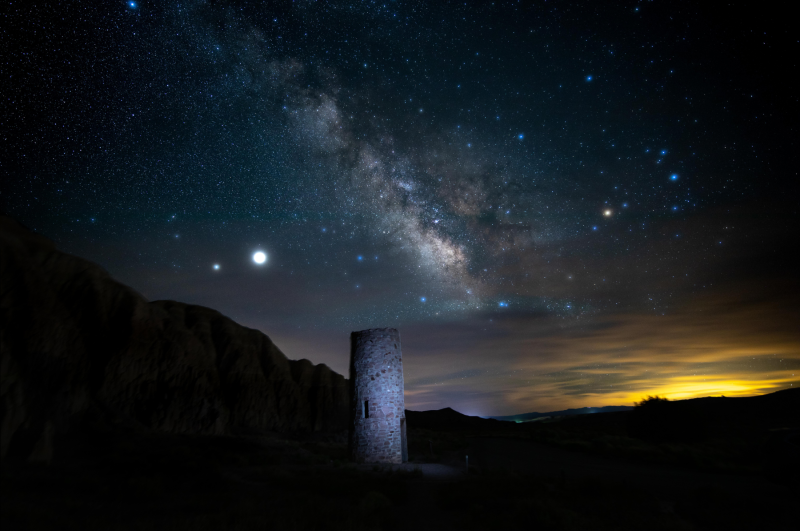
column 559, row 204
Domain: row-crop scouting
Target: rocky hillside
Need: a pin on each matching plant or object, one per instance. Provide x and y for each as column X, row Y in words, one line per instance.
column 74, row 342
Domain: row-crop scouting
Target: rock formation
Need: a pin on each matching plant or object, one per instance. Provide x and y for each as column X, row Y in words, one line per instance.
column 73, row 340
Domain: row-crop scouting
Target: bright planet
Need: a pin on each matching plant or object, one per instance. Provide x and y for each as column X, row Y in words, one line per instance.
column 259, row 257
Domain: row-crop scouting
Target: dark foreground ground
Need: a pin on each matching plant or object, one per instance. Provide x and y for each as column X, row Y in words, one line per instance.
column 132, row 481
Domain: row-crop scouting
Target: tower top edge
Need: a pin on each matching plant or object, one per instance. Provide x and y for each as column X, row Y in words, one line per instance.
column 370, row 331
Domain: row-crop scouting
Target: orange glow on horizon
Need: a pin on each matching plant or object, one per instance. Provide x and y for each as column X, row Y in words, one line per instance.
column 697, row 387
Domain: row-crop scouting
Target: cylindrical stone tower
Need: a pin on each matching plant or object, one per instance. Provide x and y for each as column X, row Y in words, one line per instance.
column 378, row 427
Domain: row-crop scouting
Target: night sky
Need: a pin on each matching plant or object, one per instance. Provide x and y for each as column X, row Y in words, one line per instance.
column 558, row 204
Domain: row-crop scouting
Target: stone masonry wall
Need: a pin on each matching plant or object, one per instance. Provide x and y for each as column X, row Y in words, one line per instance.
column 378, row 407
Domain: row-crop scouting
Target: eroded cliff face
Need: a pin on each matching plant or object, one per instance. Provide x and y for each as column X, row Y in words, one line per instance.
column 73, row 340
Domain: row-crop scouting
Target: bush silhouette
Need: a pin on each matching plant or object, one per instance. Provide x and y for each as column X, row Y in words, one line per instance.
column 657, row 419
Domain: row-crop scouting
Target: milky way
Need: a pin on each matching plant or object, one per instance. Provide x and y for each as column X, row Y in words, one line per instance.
column 548, row 199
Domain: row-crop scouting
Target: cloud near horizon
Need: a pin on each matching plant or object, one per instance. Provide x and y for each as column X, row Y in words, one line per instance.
column 713, row 348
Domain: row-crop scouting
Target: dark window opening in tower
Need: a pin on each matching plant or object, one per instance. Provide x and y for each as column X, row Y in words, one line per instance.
column 366, row 409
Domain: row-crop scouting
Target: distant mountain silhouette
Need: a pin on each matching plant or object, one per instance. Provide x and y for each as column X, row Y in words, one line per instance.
column 690, row 419
column 524, row 417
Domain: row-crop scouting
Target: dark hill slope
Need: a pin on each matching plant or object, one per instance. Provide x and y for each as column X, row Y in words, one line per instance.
column 710, row 417
column 73, row 340
column 448, row 419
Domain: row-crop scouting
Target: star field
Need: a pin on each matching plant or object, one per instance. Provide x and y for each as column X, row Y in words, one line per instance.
column 545, row 197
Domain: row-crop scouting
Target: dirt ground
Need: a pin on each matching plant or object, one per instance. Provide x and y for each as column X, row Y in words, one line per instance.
column 527, row 457
column 170, row 482
column 496, row 457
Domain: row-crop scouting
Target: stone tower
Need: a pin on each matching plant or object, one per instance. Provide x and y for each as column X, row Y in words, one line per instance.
column 378, row 427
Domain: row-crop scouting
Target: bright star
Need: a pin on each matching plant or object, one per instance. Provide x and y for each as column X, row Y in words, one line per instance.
column 503, row 304
column 607, row 213
column 520, row 136
column 132, row 4
column 673, row 177
column 216, row 267
column 588, row 78
column 360, row 258
column 259, row 257
column 422, row 299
